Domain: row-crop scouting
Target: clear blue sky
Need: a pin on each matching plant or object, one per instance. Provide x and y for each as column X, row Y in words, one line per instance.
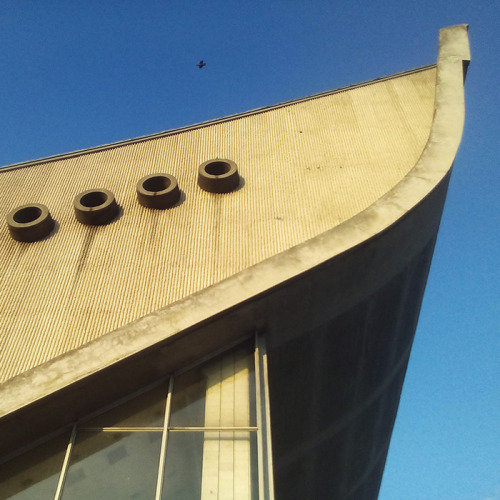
column 81, row 74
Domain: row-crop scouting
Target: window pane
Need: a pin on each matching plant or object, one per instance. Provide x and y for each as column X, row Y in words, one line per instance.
column 146, row 410
column 34, row 474
column 188, row 399
column 211, row 465
column 218, row 393
column 113, row 465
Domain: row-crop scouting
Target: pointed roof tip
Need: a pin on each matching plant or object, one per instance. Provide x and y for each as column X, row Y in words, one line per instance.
column 454, row 42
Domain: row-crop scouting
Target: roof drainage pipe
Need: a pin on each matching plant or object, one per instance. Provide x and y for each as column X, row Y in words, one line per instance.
column 158, row 191
column 95, row 207
column 30, row 222
column 218, row 176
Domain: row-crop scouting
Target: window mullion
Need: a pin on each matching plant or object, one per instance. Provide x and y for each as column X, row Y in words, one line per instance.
column 266, row 416
column 163, row 450
column 64, row 469
column 258, row 404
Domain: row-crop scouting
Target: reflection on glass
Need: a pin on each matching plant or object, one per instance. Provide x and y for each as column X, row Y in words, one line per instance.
column 34, row 474
column 145, row 410
column 205, row 465
column 200, row 464
column 113, row 465
column 219, row 393
column 182, row 476
column 188, row 399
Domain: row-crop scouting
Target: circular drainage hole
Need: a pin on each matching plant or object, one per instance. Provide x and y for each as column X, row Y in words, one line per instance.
column 217, row 168
column 27, row 214
column 94, row 199
column 157, row 183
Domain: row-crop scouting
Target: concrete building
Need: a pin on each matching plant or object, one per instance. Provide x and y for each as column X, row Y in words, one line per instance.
column 225, row 310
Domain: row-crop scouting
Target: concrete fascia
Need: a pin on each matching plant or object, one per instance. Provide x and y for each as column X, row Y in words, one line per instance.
column 175, row 322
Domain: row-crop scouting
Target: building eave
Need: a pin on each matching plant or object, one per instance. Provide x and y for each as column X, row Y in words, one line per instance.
column 207, row 320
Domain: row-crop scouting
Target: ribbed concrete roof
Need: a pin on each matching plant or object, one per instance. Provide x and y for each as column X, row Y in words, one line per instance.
column 307, row 166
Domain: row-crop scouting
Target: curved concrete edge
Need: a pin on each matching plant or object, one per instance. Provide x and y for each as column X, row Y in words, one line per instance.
column 175, row 321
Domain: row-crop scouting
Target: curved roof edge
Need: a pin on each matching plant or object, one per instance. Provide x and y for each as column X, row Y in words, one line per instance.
column 153, row 329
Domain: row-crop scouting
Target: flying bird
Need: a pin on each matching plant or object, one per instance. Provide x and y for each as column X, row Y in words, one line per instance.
column 201, row 64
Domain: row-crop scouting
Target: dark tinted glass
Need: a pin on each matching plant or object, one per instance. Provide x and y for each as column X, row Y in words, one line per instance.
column 35, row 474
column 114, row 466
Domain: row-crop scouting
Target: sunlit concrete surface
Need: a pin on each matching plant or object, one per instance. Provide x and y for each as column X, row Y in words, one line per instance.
column 324, row 249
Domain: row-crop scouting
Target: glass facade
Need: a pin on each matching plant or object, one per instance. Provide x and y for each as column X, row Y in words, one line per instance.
column 194, row 436
column 34, row 474
column 113, row 465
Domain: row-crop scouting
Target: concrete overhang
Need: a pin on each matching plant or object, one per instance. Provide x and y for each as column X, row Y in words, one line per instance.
column 342, row 266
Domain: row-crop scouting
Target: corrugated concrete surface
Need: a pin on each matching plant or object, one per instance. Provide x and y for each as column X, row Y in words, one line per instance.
column 306, row 167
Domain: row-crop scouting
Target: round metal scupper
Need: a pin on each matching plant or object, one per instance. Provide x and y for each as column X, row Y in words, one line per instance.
column 30, row 222
column 95, row 207
column 218, row 176
column 158, row 191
